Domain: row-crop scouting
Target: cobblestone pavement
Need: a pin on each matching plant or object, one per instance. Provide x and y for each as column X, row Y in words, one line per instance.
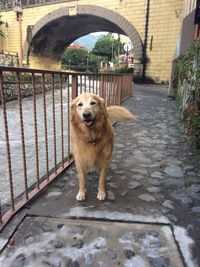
column 153, row 184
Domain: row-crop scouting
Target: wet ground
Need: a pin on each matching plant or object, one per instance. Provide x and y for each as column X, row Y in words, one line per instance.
column 151, row 216
column 29, row 134
column 89, row 243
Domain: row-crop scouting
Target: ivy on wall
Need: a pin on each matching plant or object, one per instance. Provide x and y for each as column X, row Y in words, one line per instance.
column 186, row 84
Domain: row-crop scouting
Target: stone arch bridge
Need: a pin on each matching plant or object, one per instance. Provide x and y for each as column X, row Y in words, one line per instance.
column 41, row 32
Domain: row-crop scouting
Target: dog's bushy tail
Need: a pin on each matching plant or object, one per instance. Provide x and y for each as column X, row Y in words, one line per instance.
column 118, row 113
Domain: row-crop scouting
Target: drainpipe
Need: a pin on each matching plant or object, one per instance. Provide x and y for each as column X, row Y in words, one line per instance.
column 145, row 41
column 197, row 20
column 18, row 11
column 21, row 40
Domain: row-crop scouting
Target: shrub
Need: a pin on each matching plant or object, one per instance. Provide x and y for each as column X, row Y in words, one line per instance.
column 186, row 84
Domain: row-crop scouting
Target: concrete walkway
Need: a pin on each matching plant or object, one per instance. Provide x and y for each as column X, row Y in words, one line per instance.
column 151, row 216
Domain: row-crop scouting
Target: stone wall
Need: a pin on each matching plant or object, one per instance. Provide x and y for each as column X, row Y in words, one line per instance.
column 26, row 87
column 7, row 59
column 186, row 85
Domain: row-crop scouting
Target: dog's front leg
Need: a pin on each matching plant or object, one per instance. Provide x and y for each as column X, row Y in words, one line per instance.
column 82, row 190
column 102, row 187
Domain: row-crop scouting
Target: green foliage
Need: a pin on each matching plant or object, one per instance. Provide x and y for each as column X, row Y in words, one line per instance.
column 121, row 70
column 107, row 46
column 75, row 57
column 186, row 84
column 1, row 23
column 3, row 2
column 124, row 70
column 94, row 62
column 80, row 59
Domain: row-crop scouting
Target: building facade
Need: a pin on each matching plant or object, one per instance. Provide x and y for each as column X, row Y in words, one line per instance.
column 40, row 32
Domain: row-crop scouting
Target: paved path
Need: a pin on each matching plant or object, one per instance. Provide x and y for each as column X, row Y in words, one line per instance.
column 15, row 140
column 153, row 180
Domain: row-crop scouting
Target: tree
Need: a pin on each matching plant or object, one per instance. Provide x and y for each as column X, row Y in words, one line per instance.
column 80, row 59
column 3, row 2
column 108, row 47
column 94, row 62
column 74, row 57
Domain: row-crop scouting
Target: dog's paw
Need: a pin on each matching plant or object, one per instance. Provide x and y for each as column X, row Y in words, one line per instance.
column 101, row 195
column 80, row 196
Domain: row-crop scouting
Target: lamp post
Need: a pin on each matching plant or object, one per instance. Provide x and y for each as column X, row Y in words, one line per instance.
column 127, row 48
column 118, row 48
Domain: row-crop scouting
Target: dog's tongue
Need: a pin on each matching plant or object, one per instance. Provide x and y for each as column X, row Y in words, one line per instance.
column 88, row 123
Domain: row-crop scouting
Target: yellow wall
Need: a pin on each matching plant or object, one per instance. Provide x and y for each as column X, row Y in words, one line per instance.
column 43, row 63
column 164, row 25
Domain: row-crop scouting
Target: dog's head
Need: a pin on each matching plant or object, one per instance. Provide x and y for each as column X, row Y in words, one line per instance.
column 88, row 107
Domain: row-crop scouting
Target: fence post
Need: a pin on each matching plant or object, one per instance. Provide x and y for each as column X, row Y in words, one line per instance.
column 3, row 100
column 1, row 222
column 121, row 89
column 74, row 86
column 101, row 86
column 131, row 80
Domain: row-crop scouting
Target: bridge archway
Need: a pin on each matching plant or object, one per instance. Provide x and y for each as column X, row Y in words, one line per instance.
column 49, row 37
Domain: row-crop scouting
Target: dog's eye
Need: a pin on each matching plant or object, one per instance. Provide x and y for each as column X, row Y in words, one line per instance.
column 80, row 104
column 92, row 103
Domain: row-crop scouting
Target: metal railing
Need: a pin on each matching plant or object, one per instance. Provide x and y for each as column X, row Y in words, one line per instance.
column 35, row 127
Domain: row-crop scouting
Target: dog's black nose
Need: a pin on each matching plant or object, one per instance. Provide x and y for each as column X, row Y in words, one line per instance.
column 87, row 115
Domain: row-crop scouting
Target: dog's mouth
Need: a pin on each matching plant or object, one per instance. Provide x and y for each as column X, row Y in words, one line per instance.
column 89, row 123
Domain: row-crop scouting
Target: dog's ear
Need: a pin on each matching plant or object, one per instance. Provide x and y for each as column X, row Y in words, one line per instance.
column 72, row 109
column 102, row 101
column 73, row 103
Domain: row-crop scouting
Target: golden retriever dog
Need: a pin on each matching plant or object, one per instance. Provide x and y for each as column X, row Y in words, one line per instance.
column 92, row 138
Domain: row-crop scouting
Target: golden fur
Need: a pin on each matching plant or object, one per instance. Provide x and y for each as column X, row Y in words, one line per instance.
column 92, row 137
